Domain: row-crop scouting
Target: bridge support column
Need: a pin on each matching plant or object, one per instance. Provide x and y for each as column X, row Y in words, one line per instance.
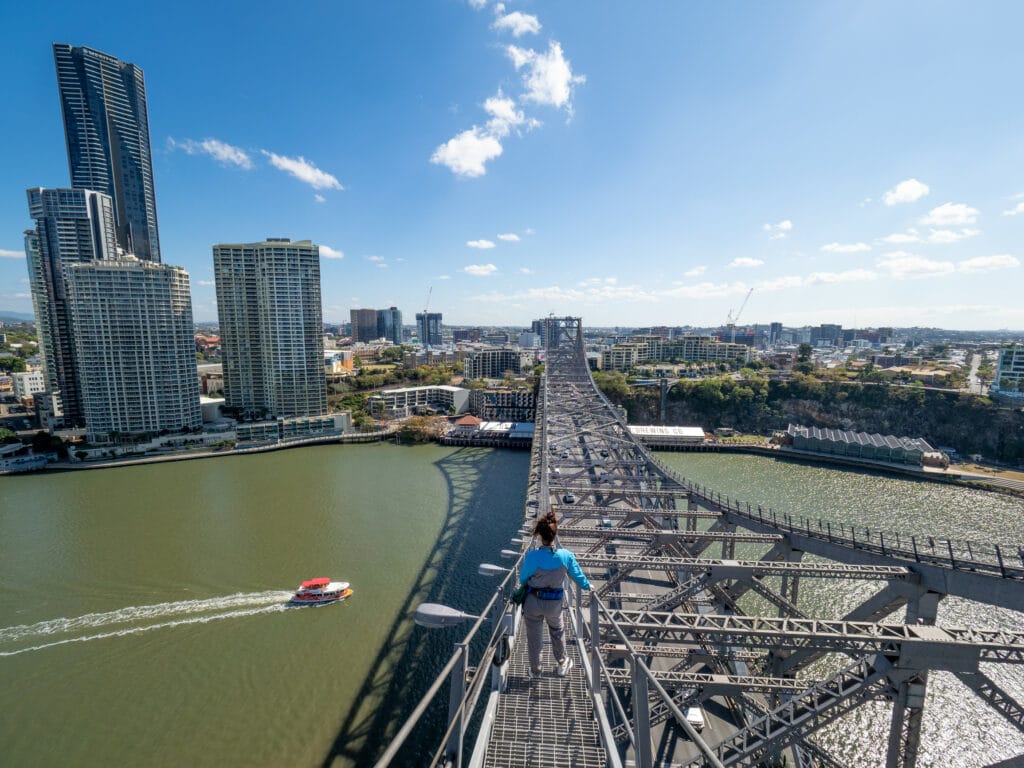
column 691, row 506
column 790, row 585
column 641, row 717
column 908, row 708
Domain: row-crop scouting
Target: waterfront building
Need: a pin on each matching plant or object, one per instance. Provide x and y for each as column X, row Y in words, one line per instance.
column 106, row 128
column 295, row 427
column 364, row 325
column 503, row 404
column 428, row 326
column 841, row 442
column 134, row 348
column 409, row 400
column 271, row 327
column 1009, row 380
column 72, row 226
column 495, row 362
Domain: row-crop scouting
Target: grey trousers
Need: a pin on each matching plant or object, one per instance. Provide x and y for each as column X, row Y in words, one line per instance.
column 535, row 613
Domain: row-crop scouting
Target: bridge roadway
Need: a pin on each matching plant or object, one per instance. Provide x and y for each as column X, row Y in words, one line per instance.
column 714, row 631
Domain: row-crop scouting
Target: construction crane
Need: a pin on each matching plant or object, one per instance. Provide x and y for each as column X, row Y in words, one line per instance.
column 732, row 319
column 425, row 341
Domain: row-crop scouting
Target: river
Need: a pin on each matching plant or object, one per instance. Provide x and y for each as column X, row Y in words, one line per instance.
column 142, row 618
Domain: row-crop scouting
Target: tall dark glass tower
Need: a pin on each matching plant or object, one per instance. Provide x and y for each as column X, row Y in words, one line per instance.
column 106, row 125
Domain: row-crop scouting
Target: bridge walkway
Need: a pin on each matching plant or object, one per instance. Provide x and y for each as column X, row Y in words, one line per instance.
column 548, row 720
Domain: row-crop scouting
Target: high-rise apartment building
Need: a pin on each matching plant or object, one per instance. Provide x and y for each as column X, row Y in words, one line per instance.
column 106, row 127
column 271, row 328
column 389, row 324
column 364, row 325
column 428, row 325
column 72, row 226
column 1009, row 380
column 134, row 347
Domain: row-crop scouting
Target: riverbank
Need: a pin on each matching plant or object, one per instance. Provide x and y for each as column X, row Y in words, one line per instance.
column 239, row 450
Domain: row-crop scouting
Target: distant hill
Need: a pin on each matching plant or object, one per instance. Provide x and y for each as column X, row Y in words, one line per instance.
column 6, row 316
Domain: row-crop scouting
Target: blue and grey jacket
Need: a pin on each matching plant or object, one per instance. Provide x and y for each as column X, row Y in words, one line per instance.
column 546, row 568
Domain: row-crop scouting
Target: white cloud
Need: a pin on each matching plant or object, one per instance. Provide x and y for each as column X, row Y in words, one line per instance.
column 695, row 272
column 483, row 244
column 517, row 23
column 505, row 116
column 303, row 170
column 326, row 252
column 951, row 215
column 382, row 266
column 480, row 270
column 946, row 236
column 374, row 258
column 525, row 271
column 222, row 152
column 476, row 5
column 780, row 230
column 509, row 237
column 529, row 231
column 899, row 238
column 206, row 282
column 847, row 276
column 845, row 247
column 780, row 283
column 443, row 277
column 548, row 77
column 988, row 263
column 466, row 153
column 907, row 191
column 599, row 281
column 905, row 266
column 1016, row 210
column 6, row 253
column 745, row 261
column 319, row 198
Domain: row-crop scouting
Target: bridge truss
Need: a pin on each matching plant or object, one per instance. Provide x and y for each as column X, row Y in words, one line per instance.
column 696, row 603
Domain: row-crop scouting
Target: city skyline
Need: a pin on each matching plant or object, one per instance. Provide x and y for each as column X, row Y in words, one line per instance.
column 852, row 165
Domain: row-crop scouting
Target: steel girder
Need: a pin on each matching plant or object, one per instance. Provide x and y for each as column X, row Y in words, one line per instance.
column 953, row 648
column 743, row 569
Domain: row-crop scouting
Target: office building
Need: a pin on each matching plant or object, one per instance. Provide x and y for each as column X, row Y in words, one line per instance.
column 271, row 328
column 775, row 333
column 134, row 350
column 428, row 326
column 72, row 226
column 389, row 325
column 106, row 128
column 364, row 325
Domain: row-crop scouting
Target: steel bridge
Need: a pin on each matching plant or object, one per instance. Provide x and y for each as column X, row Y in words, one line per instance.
column 695, row 604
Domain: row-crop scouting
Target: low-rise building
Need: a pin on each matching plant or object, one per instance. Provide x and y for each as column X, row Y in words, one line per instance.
column 503, row 404
column 27, row 383
column 294, row 427
column 841, row 442
column 407, row 401
column 495, row 362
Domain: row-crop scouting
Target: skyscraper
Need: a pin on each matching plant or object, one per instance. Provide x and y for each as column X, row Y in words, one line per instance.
column 364, row 325
column 389, row 324
column 428, row 324
column 72, row 226
column 106, row 127
column 271, row 328
column 134, row 347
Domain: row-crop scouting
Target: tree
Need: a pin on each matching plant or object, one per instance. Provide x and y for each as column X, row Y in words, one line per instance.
column 12, row 364
column 803, row 352
column 7, row 436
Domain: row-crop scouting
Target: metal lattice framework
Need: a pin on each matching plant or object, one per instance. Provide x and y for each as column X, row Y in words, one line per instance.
column 677, row 620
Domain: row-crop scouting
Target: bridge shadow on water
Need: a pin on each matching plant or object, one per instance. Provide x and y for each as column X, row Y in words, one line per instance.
column 486, row 491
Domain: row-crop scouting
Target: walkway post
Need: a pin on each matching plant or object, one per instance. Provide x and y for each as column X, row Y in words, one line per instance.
column 456, row 693
column 641, row 715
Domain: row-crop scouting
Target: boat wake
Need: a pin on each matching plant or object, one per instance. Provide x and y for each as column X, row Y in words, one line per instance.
column 138, row 619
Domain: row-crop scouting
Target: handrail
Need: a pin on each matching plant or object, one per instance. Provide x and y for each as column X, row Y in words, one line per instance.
column 463, row 649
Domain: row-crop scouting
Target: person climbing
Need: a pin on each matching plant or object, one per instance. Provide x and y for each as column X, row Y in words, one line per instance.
column 543, row 572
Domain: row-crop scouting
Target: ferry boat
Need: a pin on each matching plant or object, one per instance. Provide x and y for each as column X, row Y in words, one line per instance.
column 320, row 592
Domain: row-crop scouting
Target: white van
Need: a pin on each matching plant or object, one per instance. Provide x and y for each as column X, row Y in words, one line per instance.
column 695, row 717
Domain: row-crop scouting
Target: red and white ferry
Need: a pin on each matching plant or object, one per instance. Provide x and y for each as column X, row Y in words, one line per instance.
column 320, row 591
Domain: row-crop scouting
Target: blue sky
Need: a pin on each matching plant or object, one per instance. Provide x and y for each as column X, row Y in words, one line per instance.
column 631, row 163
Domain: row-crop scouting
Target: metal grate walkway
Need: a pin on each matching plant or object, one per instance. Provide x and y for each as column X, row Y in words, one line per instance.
column 546, row 721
